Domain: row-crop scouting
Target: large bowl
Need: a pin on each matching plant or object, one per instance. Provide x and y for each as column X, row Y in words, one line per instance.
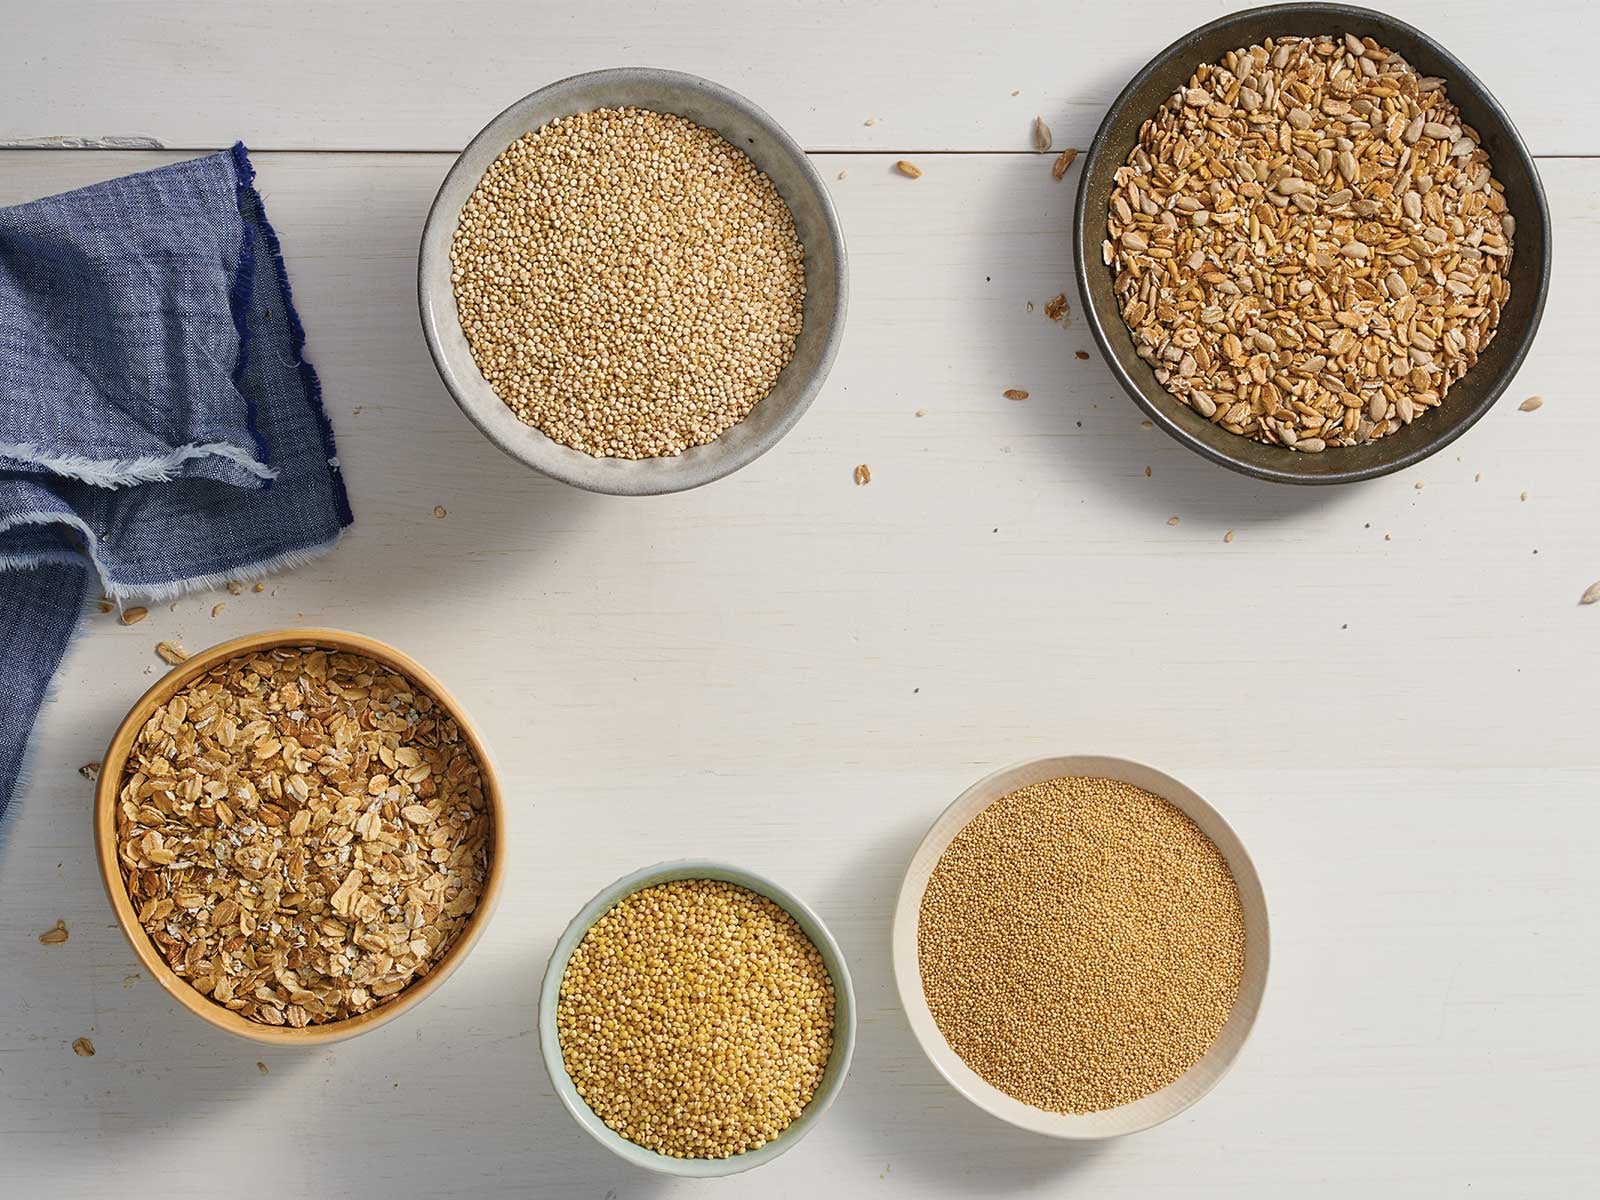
column 105, row 833
column 1469, row 397
column 773, row 151
column 844, row 1019
column 1148, row 1110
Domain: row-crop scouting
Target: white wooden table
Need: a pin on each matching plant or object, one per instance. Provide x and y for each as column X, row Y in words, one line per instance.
column 1388, row 688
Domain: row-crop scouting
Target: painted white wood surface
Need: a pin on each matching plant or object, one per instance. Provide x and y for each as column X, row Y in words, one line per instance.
column 797, row 673
column 424, row 75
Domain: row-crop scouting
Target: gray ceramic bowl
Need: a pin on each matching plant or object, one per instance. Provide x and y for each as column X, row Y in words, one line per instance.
column 772, row 150
column 1469, row 398
column 844, row 1019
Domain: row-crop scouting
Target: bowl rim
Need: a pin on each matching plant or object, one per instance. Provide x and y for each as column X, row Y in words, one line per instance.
column 844, row 1017
column 1086, row 255
column 1148, row 1111
column 689, row 469
column 110, row 783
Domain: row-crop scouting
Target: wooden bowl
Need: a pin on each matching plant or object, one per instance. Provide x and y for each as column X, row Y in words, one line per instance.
column 105, row 833
column 1470, row 397
column 1148, row 1110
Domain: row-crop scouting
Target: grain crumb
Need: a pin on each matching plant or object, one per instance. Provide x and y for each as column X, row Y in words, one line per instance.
column 1041, row 136
column 1015, row 394
column 1531, row 404
column 55, row 936
column 1081, row 355
column 1524, row 496
column 863, row 475
column 235, row 587
column 908, row 169
column 843, row 173
column 216, row 609
column 1056, row 307
column 260, row 587
column 1173, row 520
column 1591, row 594
column 171, row 653
column 870, row 121
column 83, row 1048
column 1147, row 472
column 1228, row 537
column 1063, row 162
column 133, row 616
column 90, row 771
column 261, row 1066
column 106, row 606
column 439, row 512
column 921, row 412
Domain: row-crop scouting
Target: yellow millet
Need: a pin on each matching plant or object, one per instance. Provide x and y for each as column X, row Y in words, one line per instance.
column 1081, row 944
column 628, row 282
column 696, row 1019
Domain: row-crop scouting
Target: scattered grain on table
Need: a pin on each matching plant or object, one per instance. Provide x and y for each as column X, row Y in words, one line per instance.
column 1056, row 307
column 235, row 588
column 439, row 512
column 1015, row 394
column 908, row 169
column 132, row 616
column 1531, row 404
column 83, row 1047
column 1081, row 355
column 863, row 474
column 1041, row 136
column 1591, row 594
column 90, row 771
column 1228, row 537
column 54, row 936
column 1063, row 162
column 259, row 587
column 1174, row 519
column 261, row 1066
column 171, row 653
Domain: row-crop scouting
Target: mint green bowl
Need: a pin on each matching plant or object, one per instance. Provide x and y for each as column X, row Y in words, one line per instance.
column 844, row 1018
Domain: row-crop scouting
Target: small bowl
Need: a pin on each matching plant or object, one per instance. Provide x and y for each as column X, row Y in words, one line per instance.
column 1470, row 397
column 773, row 151
column 1148, row 1110
column 844, row 1019
column 105, row 834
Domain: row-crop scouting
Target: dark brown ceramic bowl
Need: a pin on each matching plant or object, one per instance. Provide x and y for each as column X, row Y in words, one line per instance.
column 1469, row 398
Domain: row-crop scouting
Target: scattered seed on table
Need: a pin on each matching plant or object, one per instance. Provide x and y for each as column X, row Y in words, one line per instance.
column 1063, row 161
column 90, row 770
column 1081, row 943
column 55, row 936
column 1531, row 404
column 1228, row 537
column 262, row 1067
column 628, row 282
column 133, row 616
column 260, row 587
column 1081, row 355
column 843, row 173
column 439, row 512
column 83, row 1048
column 909, row 169
column 171, row 653
column 863, row 474
column 1015, row 394
column 696, row 1019
column 921, row 412
column 1591, row 594
column 216, row 609
column 1147, row 476
column 1041, row 135
column 870, row 121
column 1056, row 308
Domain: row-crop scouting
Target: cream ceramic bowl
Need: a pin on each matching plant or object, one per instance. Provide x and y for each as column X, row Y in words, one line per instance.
column 105, row 807
column 844, row 1019
column 1151, row 1109
column 773, row 151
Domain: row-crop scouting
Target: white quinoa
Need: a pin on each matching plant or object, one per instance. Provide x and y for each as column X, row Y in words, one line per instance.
column 628, row 282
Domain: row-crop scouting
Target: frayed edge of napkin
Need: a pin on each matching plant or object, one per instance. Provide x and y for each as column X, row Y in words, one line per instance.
column 125, row 472
column 120, row 593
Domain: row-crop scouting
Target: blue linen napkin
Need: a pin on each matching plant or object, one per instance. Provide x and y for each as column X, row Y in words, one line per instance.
column 160, row 428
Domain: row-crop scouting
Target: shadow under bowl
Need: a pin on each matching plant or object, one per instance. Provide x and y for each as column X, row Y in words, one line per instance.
column 844, row 1019
column 773, row 151
column 1469, row 398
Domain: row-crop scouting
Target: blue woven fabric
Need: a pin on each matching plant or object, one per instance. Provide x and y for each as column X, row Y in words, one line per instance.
column 160, row 428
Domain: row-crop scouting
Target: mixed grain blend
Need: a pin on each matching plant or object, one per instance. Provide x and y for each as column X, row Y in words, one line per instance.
column 696, row 1019
column 1309, row 244
column 628, row 282
column 1081, row 944
column 303, row 833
